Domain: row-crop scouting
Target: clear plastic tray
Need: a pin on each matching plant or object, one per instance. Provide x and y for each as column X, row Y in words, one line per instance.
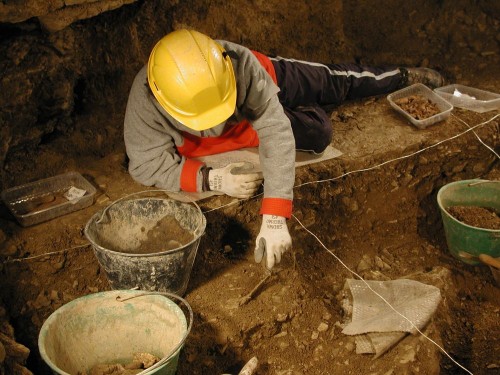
column 444, row 107
column 469, row 98
column 46, row 199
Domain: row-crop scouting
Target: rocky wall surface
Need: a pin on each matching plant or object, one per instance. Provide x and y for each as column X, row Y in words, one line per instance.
column 55, row 15
column 68, row 65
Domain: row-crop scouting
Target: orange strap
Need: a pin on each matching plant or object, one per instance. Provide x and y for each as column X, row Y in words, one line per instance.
column 266, row 64
column 237, row 136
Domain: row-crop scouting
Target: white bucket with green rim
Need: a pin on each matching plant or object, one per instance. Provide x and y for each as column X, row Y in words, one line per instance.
column 110, row 327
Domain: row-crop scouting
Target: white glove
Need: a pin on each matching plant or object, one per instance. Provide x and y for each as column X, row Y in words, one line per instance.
column 273, row 240
column 232, row 180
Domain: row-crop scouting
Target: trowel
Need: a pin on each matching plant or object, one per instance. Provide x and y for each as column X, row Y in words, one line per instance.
column 491, row 262
column 494, row 264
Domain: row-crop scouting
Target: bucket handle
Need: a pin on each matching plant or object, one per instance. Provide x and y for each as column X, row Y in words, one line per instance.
column 482, row 182
column 162, row 361
column 191, row 200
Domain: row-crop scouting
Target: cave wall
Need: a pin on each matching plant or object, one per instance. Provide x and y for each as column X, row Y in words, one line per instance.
column 67, row 66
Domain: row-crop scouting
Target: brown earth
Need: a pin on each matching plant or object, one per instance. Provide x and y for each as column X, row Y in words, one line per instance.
column 373, row 208
column 481, row 217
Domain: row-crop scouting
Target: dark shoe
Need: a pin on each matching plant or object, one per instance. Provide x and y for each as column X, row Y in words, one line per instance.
column 426, row 76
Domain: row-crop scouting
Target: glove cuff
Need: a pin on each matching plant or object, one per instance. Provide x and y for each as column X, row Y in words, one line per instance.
column 205, row 184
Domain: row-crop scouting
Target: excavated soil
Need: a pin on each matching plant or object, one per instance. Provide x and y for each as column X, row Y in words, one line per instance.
column 382, row 223
column 480, row 217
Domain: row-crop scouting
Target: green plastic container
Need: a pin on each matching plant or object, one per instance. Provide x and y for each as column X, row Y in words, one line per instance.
column 466, row 242
column 110, row 327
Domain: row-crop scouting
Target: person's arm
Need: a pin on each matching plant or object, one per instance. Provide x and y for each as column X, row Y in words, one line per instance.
column 277, row 156
column 258, row 102
column 150, row 145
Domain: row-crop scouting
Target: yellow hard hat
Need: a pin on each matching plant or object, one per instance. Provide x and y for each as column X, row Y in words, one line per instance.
column 193, row 79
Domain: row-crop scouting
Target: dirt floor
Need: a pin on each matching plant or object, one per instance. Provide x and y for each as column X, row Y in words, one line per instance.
column 372, row 210
column 382, row 223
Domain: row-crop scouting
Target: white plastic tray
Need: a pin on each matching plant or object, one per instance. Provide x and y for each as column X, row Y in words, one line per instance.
column 44, row 200
column 469, row 98
column 444, row 107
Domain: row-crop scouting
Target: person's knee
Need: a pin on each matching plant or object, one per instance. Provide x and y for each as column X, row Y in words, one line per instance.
column 324, row 135
column 315, row 132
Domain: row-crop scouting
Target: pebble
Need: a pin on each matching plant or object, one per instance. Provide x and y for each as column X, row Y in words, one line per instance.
column 318, row 351
column 102, row 182
column 281, row 318
column 349, row 346
column 323, row 327
column 409, row 355
column 284, row 345
column 326, row 316
column 54, row 296
column 103, row 199
column 41, row 301
column 281, row 334
column 10, row 250
column 363, row 265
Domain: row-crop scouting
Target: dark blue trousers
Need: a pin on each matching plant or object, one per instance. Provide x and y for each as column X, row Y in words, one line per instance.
column 307, row 87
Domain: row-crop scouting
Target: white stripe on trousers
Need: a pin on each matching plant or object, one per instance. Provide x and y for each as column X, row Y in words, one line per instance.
column 347, row 73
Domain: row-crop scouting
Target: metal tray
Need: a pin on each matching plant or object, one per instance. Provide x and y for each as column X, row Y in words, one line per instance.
column 46, row 199
column 444, row 107
column 469, row 98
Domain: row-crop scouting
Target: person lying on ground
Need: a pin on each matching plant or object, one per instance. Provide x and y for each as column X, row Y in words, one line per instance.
column 198, row 96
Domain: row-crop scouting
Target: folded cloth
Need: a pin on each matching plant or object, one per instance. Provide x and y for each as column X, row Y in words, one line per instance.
column 412, row 299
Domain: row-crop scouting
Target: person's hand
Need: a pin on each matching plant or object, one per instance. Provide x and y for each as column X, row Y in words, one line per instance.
column 232, row 180
column 272, row 241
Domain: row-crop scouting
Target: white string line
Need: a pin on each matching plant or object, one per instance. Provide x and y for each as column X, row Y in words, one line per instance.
column 343, row 175
column 378, row 165
column 477, row 136
column 408, row 155
column 381, row 297
column 44, row 254
column 331, row 179
column 320, row 181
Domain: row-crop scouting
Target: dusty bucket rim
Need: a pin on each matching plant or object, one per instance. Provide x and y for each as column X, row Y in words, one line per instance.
column 471, row 182
column 134, row 294
column 197, row 233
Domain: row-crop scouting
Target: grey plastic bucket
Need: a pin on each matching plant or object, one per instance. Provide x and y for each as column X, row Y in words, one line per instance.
column 125, row 224
column 110, row 327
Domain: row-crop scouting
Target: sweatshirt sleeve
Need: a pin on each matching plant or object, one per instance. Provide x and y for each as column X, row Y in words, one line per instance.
column 277, row 158
column 258, row 102
column 150, row 144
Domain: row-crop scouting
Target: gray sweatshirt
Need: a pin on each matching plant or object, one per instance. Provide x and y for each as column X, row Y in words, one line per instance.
column 151, row 134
